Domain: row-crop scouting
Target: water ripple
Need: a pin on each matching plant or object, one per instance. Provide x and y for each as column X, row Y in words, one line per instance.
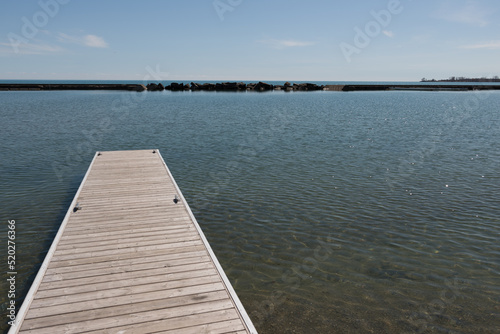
column 362, row 212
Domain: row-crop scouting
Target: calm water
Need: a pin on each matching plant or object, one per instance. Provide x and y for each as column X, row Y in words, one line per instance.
column 362, row 212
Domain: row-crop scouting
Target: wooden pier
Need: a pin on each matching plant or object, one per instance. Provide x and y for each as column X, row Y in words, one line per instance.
column 130, row 257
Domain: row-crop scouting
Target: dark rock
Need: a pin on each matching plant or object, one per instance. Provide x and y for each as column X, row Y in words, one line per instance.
column 300, row 87
column 287, row 84
column 138, row 88
column 230, row 86
column 311, row 86
column 306, row 87
column 174, row 86
column 208, row 86
column 262, row 86
column 151, row 87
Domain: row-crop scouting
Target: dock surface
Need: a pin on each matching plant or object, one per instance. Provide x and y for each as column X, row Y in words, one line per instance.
column 129, row 259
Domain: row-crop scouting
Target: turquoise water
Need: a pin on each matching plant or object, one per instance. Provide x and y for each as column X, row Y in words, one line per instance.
column 330, row 212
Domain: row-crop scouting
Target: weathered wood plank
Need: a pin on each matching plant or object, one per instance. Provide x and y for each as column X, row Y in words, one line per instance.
column 135, row 249
column 136, row 229
column 116, row 225
column 85, row 240
column 48, row 310
column 128, row 262
column 126, row 256
column 62, row 274
column 116, row 240
column 106, row 245
column 55, row 283
column 93, row 287
column 125, row 319
column 122, row 291
column 175, row 323
column 228, row 326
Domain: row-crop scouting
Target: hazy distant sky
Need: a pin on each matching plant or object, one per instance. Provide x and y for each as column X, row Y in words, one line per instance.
column 369, row 40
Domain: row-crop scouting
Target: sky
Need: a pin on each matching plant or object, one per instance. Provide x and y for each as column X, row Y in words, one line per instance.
column 294, row 40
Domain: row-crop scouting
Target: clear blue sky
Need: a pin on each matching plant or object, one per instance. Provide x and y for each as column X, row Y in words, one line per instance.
column 249, row 39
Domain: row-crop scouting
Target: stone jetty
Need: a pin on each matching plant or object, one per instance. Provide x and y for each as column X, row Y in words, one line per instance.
column 64, row 86
column 306, row 87
column 235, row 86
column 241, row 86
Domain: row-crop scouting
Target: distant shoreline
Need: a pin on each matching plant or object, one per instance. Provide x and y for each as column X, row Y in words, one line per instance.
column 463, row 79
column 240, row 86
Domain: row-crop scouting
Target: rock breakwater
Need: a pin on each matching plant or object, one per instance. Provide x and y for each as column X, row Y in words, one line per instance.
column 234, row 86
column 241, row 86
column 63, row 86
